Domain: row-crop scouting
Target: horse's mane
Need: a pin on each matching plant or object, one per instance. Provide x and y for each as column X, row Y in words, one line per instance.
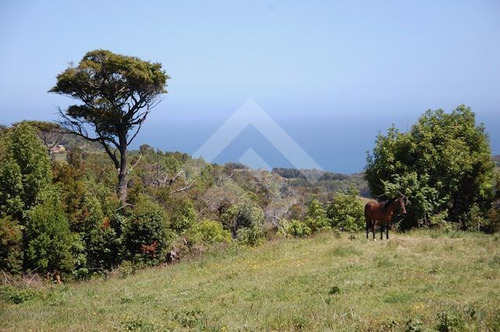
column 386, row 204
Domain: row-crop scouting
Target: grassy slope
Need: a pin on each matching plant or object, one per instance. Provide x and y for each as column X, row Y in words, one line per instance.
column 317, row 284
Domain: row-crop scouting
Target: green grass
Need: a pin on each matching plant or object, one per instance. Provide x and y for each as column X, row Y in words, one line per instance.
column 419, row 281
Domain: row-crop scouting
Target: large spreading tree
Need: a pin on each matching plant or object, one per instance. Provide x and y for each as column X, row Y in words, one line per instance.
column 117, row 93
column 443, row 164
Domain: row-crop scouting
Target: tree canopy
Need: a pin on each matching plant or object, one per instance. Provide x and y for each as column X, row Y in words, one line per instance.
column 24, row 172
column 117, row 93
column 443, row 164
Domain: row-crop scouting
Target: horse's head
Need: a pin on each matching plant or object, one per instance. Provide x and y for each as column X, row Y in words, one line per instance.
column 402, row 200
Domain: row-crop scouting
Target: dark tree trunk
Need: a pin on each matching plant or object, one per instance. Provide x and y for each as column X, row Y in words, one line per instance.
column 121, row 190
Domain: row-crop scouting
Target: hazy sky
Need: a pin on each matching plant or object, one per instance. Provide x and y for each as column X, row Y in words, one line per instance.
column 332, row 74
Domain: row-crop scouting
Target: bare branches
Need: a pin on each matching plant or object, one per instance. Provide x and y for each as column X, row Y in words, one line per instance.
column 176, row 176
column 183, row 188
column 133, row 166
column 77, row 127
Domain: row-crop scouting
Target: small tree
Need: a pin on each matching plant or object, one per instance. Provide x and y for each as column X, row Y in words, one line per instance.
column 49, row 239
column 208, row 232
column 245, row 221
column 346, row 211
column 316, row 218
column 117, row 93
column 146, row 234
column 24, row 172
column 183, row 216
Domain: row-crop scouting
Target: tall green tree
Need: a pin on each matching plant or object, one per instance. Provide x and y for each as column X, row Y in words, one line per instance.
column 117, row 93
column 24, row 172
column 49, row 240
column 443, row 164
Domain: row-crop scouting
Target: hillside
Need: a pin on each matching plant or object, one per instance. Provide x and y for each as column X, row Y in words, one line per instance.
column 322, row 283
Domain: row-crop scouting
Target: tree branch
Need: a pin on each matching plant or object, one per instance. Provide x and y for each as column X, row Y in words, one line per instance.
column 132, row 168
column 183, row 188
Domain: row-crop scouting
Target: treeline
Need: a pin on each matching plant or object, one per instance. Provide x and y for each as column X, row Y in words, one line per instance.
column 324, row 181
column 61, row 214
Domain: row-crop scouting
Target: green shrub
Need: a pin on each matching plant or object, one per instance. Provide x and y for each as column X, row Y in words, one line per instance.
column 183, row 217
column 99, row 236
column 492, row 224
column 250, row 236
column 10, row 246
column 208, row 232
column 245, row 221
column 17, row 295
column 146, row 234
column 440, row 221
column 49, row 239
column 295, row 228
column 414, row 325
column 316, row 218
column 450, row 321
column 24, row 172
column 346, row 212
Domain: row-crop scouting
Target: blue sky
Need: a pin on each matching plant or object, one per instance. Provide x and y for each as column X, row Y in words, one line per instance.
column 332, row 74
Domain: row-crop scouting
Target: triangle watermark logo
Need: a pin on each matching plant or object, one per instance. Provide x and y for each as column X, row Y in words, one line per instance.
column 251, row 114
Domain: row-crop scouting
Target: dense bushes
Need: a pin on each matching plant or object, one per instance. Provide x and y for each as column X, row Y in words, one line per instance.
column 245, row 221
column 343, row 213
column 146, row 235
column 346, row 211
column 10, row 246
column 48, row 237
column 208, row 232
column 64, row 215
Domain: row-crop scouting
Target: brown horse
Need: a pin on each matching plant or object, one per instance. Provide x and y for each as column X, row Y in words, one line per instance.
column 380, row 213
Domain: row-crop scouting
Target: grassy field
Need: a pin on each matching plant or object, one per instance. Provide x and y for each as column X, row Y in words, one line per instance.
column 420, row 281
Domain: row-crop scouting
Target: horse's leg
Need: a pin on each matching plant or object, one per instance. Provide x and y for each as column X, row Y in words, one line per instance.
column 382, row 225
column 387, row 232
column 373, row 229
column 367, row 227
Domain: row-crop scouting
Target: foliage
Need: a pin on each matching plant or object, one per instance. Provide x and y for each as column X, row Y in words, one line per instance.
column 450, row 321
column 346, row 211
column 245, row 222
column 296, row 228
column 250, row 235
column 117, row 93
column 49, row 239
column 183, row 216
column 70, row 177
column 493, row 221
column 50, row 133
column 146, row 236
column 10, row 245
column 442, row 164
column 208, row 232
column 98, row 235
column 24, row 172
column 316, row 218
